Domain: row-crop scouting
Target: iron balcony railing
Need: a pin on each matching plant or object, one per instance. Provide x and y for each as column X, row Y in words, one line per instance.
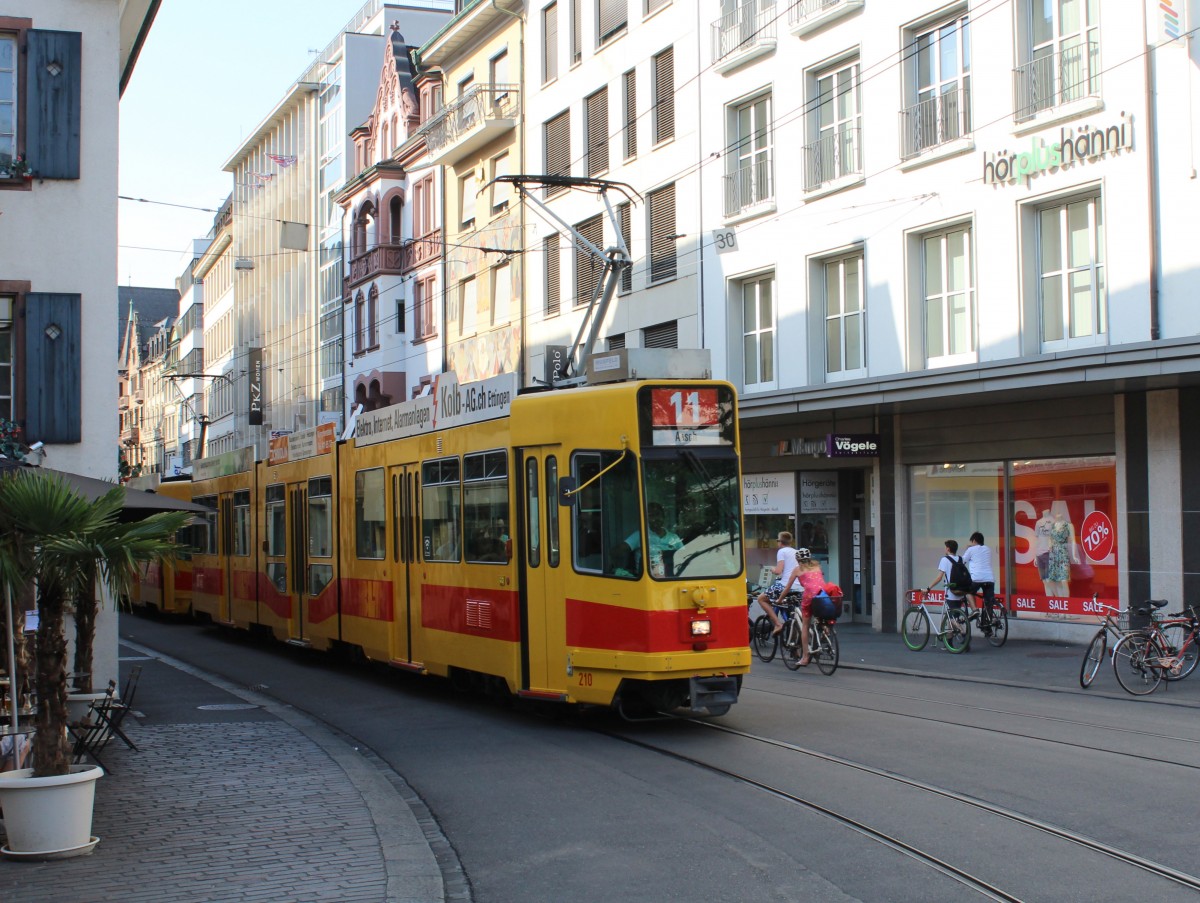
column 802, row 10
column 1053, row 79
column 832, row 157
column 935, row 121
column 478, row 105
column 752, row 183
column 747, row 27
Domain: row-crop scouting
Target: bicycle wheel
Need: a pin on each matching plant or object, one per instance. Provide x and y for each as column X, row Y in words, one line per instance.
column 827, row 653
column 765, row 642
column 789, row 646
column 999, row 635
column 1134, row 663
column 1177, row 636
column 955, row 631
column 915, row 629
column 1091, row 661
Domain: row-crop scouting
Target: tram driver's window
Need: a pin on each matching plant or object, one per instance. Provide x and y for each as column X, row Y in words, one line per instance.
column 605, row 514
column 370, row 500
column 441, row 505
column 486, row 536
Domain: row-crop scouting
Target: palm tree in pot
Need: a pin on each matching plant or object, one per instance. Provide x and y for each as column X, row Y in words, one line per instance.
column 64, row 544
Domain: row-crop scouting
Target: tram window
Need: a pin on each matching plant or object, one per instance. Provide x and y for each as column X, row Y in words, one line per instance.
column 319, row 576
column 533, row 513
column 241, row 522
column 605, row 514
column 276, row 521
column 485, row 507
column 320, row 517
column 441, row 499
column 370, row 500
column 204, row 530
column 552, row 511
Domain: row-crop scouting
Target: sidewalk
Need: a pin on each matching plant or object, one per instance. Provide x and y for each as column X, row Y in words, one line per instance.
column 234, row 797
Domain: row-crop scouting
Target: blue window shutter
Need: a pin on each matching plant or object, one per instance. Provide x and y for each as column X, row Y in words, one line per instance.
column 52, row 368
column 52, row 102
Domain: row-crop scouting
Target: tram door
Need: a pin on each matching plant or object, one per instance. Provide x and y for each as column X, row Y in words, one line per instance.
column 297, row 554
column 225, row 605
column 406, row 556
column 539, row 551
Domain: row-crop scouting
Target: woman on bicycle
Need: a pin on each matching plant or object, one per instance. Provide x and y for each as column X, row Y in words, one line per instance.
column 785, row 562
column 812, row 581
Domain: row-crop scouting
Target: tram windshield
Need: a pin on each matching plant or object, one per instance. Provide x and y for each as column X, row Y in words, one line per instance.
column 693, row 520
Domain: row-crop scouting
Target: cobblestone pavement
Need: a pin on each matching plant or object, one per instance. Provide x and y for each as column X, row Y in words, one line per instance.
column 247, row 801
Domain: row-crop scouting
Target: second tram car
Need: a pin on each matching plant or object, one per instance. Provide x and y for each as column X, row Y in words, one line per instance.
column 582, row 545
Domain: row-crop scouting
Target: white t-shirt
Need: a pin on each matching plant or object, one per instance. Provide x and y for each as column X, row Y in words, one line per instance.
column 944, row 567
column 979, row 563
column 787, row 555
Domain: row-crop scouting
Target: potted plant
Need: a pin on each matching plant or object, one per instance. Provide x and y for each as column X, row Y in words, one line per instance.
column 19, row 168
column 64, row 544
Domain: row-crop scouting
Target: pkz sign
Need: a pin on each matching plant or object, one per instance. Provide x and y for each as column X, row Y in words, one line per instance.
column 256, row 386
column 852, row 445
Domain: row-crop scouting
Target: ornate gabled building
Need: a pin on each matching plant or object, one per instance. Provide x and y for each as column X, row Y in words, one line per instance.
column 392, row 246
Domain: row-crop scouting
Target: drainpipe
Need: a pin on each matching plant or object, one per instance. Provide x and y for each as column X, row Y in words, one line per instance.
column 1151, row 186
column 700, row 185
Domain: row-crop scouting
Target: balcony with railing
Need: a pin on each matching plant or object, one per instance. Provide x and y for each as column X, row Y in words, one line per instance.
column 380, row 260
column 809, row 15
column 1056, row 79
column 832, row 158
column 744, row 34
column 935, row 121
column 482, row 113
column 751, row 186
column 417, row 252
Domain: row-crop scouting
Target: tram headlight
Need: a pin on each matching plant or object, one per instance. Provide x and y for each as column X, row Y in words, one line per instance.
column 702, row 627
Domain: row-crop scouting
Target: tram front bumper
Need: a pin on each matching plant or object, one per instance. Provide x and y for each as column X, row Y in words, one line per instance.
column 712, row 692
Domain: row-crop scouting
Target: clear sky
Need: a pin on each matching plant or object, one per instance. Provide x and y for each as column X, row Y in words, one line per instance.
column 209, row 72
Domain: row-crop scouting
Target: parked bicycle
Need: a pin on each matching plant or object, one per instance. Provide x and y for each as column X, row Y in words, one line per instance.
column 823, row 648
column 1112, row 629
column 953, row 631
column 1164, row 650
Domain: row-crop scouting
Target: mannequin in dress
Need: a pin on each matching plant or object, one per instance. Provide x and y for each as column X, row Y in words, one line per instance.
column 1058, row 567
column 1041, row 547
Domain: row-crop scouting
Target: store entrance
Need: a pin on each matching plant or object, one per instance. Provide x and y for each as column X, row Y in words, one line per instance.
column 858, row 539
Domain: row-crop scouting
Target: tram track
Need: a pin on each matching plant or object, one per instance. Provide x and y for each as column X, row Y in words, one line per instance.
column 1068, row 722
column 976, row 883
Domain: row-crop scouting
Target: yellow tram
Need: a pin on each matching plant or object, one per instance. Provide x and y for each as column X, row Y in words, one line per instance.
column 579, row 545
column 166, row 586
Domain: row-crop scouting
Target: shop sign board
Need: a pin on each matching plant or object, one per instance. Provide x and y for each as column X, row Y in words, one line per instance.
column 852, row 445
column 239, row 460
column 819, row 493
column 769, row 493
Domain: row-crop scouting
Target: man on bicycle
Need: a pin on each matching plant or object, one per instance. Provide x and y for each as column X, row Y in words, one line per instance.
column 785, row 562
column 944, row 565
column 979, row 562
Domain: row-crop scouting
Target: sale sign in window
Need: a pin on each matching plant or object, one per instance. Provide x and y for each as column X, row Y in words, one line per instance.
column 1064, row 540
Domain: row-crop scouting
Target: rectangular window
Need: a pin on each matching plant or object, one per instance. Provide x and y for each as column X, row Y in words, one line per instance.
column 485, row 507
column 204, row 529
column 588, row 266
column 664, row 96
column 550, row 43
column 241, row 523
column 596, row 139
column 663, row 236
column 423, row 297
column 625, row 220
column 276, row 511
column 424, row 207
column 845, row 340
column 611, row 19
column 8, row 305
column 939, row 92
column 467, row 200
column 501, row 191
column 652, row 5
column 441, row 515
column 320, row 533
column 606, row 514
column 758, row 332
column 552, row 545
column 550, row 247
column 664, row 335
column 1071, row 288
column 630, row 114
column 1061, row 60
column 750, row 177
column 576, row 31
column 8, row 101
column 615, row 342
column 949, row 294
column 837, row 150
column 370, row 526
column 533, row 514
column 558, row 148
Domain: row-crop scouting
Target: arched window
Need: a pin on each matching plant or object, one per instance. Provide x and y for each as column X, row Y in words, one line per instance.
column 373, row 317
column 395, row 132
column 395, row 206
column 360, row 395
column 384, row 145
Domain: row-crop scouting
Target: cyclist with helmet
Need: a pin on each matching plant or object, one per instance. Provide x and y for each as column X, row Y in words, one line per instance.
column 811, row 580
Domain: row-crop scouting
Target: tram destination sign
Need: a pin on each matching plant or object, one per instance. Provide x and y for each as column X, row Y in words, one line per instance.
column 450, row 404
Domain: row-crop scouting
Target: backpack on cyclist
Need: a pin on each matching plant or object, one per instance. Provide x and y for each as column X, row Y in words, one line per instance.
column 959, row 580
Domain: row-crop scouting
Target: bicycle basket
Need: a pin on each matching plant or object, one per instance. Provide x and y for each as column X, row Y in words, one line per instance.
column 1123, row 620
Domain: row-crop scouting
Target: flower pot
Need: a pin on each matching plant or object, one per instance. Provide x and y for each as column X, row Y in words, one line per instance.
column 49, row 818
column 78, row 704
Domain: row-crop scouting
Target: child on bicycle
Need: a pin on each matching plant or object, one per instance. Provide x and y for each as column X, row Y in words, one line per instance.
column 807, row 574
column 944, row 566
